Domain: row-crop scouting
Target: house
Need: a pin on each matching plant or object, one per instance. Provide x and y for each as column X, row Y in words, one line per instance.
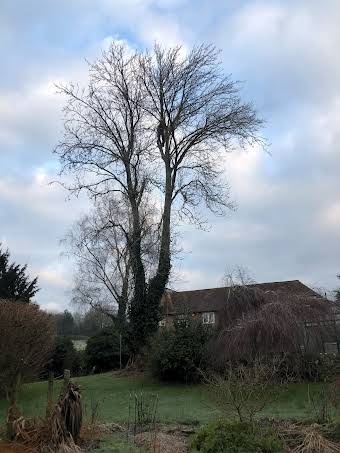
column 207, row 306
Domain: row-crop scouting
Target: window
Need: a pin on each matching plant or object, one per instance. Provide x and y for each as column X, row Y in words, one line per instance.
column 183, row 319
column 331, row 348
column 208, row 317
column 161, row 323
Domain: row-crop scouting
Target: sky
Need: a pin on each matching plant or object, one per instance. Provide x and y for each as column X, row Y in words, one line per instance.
column 286, row 53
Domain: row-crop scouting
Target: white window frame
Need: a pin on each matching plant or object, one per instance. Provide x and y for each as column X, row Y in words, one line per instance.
column 208, row 317
column 162, row 323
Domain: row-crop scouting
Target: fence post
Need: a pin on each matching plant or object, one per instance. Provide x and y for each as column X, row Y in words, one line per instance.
column 67, row 377
column 120, row 351
column 49, row 393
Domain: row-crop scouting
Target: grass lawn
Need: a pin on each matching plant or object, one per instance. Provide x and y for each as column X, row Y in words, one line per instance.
column 177, row 403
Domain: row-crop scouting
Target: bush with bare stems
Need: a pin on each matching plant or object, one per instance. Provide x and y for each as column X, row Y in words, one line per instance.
column 243, row 391
column 26, row 339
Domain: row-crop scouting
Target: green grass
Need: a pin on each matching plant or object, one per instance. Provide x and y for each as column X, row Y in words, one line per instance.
column 177, row 403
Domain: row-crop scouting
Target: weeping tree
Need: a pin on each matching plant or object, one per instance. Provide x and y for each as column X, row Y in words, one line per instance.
column 155, row 125
column 257, row 323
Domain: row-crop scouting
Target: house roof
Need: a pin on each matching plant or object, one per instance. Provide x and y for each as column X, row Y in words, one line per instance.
column 214, row 299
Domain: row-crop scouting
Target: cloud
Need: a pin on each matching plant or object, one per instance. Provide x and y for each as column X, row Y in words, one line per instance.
column 54, row 277
column 287, row 222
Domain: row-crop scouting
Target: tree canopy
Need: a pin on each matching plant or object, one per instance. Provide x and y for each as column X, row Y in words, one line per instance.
column 15, row 284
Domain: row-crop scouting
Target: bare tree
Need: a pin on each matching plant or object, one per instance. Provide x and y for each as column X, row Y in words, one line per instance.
column 155, row 124
column 103, row 271
column 98, row 241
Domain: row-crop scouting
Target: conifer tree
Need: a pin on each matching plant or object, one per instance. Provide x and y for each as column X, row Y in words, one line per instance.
column 15, row 284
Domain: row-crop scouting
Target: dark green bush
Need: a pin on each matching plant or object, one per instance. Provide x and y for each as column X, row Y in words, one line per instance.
column 102, row 351
column 223, row 437
column 177, row 353
column 305, row 367
column 64, row 356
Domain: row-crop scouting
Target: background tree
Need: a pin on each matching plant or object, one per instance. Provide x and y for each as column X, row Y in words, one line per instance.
column 337, row 292
column 154, row 125
column 65, row 323
column 99, row 243
column 64, row 356
column 93, row 322
column 80, row 324
column 14, row 281
column 103, row 351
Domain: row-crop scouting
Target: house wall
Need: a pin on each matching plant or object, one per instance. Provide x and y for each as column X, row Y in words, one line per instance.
column 169, row 318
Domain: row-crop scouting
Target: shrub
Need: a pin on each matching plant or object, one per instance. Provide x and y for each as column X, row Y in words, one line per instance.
column 177, row 353
column 26, row 338
column 306, row 367
column 65, row 356
column 226, row 437
column 243, row 391
column 102, row 351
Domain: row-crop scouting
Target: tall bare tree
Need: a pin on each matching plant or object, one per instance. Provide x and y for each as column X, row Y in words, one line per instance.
column 155, row 124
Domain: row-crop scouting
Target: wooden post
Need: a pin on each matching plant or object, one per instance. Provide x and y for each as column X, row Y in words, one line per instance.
column 67, row 377
column 50, row 383
column 120, row 351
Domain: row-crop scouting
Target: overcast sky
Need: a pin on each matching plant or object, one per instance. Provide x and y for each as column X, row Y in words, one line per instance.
column 287, row 224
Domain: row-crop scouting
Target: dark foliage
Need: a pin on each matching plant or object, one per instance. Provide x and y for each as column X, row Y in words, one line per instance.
column 305, row 367
column 222, row 437
column 102, row 351
column 65, row 323
column 81, row 325
column 337, row 292
column 14, row 281
column 177, row 353
column 65, row 356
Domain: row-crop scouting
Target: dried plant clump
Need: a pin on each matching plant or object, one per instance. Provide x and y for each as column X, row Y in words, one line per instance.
column 59, row 432
column 307, row 439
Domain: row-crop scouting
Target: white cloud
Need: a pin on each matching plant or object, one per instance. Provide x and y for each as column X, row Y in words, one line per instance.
column 54, row 277
column 287, row 223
